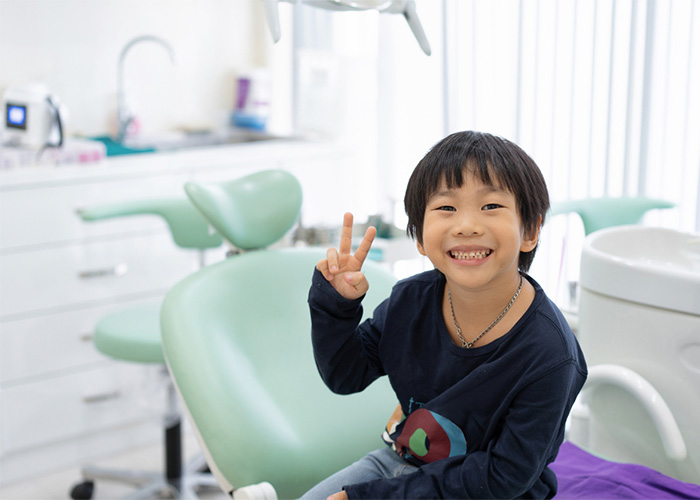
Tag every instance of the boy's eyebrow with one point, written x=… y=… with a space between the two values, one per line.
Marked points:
x=486 y=189
x=492 y=188
x=442 y=192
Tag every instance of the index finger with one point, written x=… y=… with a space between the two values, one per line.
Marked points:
x=346 y=235
x=365 y=244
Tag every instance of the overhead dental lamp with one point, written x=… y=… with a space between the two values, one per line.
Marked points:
x=405 y=7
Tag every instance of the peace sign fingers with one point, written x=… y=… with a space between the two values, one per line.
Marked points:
x=363 y=249
x=365 y=244
x=341 y=267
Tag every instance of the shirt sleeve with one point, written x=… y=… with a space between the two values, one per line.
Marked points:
x=511 y=465
x=346 y=353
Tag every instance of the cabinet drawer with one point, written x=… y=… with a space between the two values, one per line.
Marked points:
x=48 y=214
x=78 y=404
x=48 y=345
x=42 y=280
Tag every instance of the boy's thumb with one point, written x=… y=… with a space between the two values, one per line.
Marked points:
x=353 y=278
x=357 y=279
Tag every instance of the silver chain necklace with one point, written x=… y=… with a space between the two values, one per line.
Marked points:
x=469 y=345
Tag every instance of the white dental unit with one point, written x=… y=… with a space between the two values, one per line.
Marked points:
x=640 y=330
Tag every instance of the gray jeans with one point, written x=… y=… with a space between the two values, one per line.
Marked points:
x=382 y=463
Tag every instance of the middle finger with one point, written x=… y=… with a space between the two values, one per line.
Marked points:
x=346 y=235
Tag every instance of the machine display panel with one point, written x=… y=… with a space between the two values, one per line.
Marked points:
x=16 y=116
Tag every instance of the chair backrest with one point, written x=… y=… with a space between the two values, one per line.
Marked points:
x=187 y=226
x=250 y=212
x=236 y=336
x=600 y=213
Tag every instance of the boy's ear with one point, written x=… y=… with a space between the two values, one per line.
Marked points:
x=530 y=240
x=420 y=248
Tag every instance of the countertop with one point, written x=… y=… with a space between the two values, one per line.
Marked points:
x=119 y=167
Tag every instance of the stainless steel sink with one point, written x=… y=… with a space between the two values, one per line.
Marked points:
x=182 y=140
x=173 y=141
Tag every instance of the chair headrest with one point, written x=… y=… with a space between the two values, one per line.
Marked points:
x=251 y=212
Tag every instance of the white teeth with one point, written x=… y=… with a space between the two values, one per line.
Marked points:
x=480 y=254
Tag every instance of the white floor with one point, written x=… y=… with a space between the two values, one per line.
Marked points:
x=57 y=485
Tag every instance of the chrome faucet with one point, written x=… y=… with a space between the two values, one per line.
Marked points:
x=124 y=114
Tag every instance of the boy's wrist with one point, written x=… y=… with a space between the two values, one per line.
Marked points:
x=321 y=284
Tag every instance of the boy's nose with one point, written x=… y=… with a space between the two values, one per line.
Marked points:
x=468 y=224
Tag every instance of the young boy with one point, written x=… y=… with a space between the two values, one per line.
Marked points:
x=484 y=365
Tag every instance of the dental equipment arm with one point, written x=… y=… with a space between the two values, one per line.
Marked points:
x=648 y=397
x=273 y=19
x=408 y=9
x=405 y=7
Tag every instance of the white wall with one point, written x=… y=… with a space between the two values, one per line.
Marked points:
x=603 y=95
x=411 y=114
x=73 y=46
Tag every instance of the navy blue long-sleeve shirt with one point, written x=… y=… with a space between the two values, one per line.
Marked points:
x=480 y=423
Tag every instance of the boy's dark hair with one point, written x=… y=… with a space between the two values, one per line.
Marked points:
x=491 y=159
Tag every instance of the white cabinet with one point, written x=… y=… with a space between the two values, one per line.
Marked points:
x=58 y=277
x=90 y=273
x=41 y=213
x=55 y=343
x=73 y=404
x=61 y=401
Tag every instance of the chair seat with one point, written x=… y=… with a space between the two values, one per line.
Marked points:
x=132 y=334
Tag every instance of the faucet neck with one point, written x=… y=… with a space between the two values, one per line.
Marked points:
x=124 y=115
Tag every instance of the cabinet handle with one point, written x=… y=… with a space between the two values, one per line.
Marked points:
x=103 y=396
x=118 y=270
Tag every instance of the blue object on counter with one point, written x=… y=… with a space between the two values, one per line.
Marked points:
x=115 y=148
x=246 y=120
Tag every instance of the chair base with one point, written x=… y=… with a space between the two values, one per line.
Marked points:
x=149 y=484
x=175 y=480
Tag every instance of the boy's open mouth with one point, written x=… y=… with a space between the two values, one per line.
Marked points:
x=470 y=255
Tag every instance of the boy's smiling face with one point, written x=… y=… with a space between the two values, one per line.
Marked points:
x=473 y=234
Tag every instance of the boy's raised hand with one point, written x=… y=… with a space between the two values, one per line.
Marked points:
x=342 y=268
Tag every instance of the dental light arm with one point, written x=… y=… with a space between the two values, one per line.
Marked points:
x=405 y=7
x=408 y=9
x=273 y=19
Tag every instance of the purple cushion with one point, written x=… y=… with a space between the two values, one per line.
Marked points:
x=582 y=475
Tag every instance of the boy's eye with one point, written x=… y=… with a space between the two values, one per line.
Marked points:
x=491 y=206
x=447 y=208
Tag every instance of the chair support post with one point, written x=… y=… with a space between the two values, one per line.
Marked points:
x=173 y=451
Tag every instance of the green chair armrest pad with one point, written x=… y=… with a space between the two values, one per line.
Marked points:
x=189 y=229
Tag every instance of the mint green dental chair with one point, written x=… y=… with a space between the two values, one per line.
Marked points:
x=237 y=341
x=133 y=335
x=600 y=213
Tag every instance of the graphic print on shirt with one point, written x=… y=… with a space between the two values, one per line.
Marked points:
x=424 y=435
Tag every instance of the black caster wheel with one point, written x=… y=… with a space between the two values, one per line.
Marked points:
x=83 y=491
